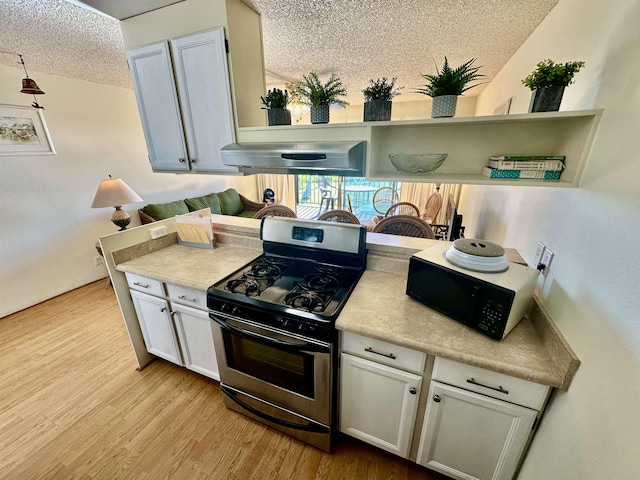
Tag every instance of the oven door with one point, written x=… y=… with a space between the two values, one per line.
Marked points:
x=291 y=371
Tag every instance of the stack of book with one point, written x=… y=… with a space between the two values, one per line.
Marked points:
x=542 y=167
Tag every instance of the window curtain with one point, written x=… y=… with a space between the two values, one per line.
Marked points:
x=282 y=185
x=418 y=193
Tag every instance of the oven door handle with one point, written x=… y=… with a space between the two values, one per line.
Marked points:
x=309 y=427
x=303 y=347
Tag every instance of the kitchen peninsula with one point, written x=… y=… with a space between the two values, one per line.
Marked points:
x=378 y=311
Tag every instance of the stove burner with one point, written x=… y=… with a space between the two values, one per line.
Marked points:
x=259 y=277
x=320 y=282
x=305 y=300
x=267 y=268
x=247 y=286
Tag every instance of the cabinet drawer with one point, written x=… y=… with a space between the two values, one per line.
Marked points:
x=144 y=284
x=384 y=352
x=493 y=384
x=187 y=296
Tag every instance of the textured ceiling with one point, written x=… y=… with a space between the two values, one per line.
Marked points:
x=356 y=39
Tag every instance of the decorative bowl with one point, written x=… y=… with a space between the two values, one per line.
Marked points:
x=417 y=162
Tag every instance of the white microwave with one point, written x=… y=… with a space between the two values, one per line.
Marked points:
x=492 y=303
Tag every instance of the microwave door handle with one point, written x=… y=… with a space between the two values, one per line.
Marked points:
x=309 y=427
x=302 y=347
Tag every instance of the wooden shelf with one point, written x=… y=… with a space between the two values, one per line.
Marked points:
x=469 y=142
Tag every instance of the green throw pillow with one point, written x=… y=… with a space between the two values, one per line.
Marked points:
x=160 y=211
x=207 y=201
x=230 y=202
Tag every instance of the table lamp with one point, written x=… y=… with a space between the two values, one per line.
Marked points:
x=113 y=192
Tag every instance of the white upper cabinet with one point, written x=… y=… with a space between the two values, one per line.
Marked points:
x=153 y=82
x=186 y=117
x=203 y=88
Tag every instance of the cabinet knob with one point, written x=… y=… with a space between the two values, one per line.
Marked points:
x=413 y=390
x=162 y=309
x=436 y=398
x=181 y=160
x=193 y=160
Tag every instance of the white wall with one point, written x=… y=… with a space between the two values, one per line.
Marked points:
x=593 y=430
x=47 y=226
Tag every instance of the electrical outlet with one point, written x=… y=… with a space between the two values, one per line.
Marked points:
x=539 y=252
x=97 y=260
x=158 y=232
x=547 y=256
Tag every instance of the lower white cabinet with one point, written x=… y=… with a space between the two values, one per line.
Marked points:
x=379 y=399
x=175 y=325
x=473 y=429
x=157 y=326
x=378 y=403
x=194 y=332
x=476 y=424
x=470 y=436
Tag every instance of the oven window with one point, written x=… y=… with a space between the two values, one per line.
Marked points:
x=293 y=371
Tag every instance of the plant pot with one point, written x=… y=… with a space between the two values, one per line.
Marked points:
x=377 y=110
x=546 y=99
x=279 y=116
x=444 y=106
x=320 y=114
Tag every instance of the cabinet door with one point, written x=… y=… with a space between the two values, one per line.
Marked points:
x=205 y=96
x=196 y=340
x=157 y=326
x=153 y=82
x=470 y=436
x=378 y=403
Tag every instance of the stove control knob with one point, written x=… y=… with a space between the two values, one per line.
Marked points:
x=302 y=328
x=224 y=308
x=236 y=311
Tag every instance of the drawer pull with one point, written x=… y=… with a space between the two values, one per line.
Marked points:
x=138 y=284
x=192 y=300
x=388 y=355
x=436 y=398
x=499 y=389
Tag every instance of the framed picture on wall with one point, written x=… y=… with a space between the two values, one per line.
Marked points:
x=24 y=132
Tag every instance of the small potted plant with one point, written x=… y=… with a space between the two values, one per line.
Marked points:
x=377 y=99
x=312 y=92
x=547 y=83
x=445 y=86
x=275 y=102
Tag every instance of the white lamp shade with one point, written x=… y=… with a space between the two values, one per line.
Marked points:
x=114 y=192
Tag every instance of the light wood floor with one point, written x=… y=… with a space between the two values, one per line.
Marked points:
x=73 y=406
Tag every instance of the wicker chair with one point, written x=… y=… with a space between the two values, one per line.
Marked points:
x=432 y=208
x=404 y=225
x=403 y=208
x=275 y=211
x=340 y=216
x=383 y=198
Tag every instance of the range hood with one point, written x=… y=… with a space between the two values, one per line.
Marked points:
x=345 y=159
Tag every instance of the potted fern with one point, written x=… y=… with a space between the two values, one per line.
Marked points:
x=312 y=92
x=275 y=102
x=377 y=99
x=445 y=86
x=547 y=82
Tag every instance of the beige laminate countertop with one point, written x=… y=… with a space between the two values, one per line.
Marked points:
x=190 y=267
x=377 y=308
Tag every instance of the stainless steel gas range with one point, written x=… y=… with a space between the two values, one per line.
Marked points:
x=274 y=325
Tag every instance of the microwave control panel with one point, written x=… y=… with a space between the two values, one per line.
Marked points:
x=492 y=319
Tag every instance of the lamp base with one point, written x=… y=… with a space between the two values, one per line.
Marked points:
x=120 y=218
